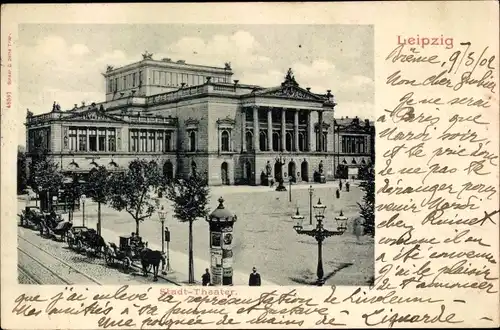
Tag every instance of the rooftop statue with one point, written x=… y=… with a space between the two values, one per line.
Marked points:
x=289 y=78
x=147 y=56
x=29 y=113
x=227 y=66
x=109 y=68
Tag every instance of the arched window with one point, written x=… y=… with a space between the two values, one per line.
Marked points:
x=225 y=141
x=249 y=140
x=263 y=141
x=276 y=141
x=324 y=142
x=289 y=141
x=192 y=141
x=302 y=142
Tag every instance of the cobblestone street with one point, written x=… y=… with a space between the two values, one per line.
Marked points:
x=264 y=236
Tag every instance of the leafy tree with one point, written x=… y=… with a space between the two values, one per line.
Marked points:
x=132 y=190
x=367 y=207
x=22 y=175
x=189 y=198
x=73 y=191
x=97 y=188
x=46 y=175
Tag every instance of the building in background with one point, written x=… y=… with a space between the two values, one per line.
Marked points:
x=191 y=117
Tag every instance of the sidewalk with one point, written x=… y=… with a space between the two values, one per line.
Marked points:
x=178 y=260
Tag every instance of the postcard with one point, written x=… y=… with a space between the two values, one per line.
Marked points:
x=250 y=165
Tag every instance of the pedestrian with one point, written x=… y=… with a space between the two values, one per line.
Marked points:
x=337 y=193
x=347 y=185
x=358 y=227
x=254 y=278
x=340 y=184
x=205 y=278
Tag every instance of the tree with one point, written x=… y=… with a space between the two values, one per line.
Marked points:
x=367 y=208
x=22 y=175
x=97 y=188
x=73 y=191
x=46 y=178
x=189 y=198
x=132 y=190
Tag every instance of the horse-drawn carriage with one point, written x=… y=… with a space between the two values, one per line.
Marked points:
x=53 y=225
x=129 y=250
x=75 y=238
x=31 y=217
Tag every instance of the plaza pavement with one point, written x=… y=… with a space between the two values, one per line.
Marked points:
x=264 y=236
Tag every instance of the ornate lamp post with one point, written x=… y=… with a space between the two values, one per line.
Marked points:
x=221 y=222
x=290 y=188
x=319 y=233
x=161 y=215
x=82 y=200
x=311 y=191
x=38 y=197
x=281 y=161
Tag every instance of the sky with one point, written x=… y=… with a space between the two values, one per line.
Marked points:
x=65 y=62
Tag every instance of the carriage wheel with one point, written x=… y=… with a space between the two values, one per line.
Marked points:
x=108 y=259
x=126 y=263
x=78 y=245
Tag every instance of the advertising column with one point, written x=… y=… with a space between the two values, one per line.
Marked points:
x=221 y=242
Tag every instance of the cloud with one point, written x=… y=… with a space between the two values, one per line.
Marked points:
x=79 y=49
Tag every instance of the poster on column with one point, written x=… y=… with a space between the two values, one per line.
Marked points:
x=400 y=99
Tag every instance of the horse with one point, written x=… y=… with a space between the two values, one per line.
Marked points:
x=61 y=229
x=93 y=242
x=152 y=258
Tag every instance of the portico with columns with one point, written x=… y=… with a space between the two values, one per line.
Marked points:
x=285 y=125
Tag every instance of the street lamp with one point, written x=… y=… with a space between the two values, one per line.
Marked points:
x=290 y=188
x=165 y=235
x=281 y=161
x=311 y=191
x=82 y=200
x=320 y=233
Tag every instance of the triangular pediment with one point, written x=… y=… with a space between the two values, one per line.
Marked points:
x=289 y=91
x=94 y=115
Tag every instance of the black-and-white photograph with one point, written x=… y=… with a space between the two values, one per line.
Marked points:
x=196 y=154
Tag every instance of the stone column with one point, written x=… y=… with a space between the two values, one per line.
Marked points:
x=320 y=131
x=269 y=130
x=256 y=130
x=106 y=139
x=77 y=138
x=283 y=129
x=243 y=130
x=296 y=129
x=310 y=129
x=88 y=135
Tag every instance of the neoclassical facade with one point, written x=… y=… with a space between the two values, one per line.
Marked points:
x=192 y=117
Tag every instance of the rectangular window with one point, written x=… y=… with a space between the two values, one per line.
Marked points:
x=72 y=139
x=82 y=139
x=115 y=87
x=162 y=78
x=102 y=139
x=151 y=143
x=144 y=141
x=124 y=82
x=134 y=79
x=134 y=143
x=168 y=79
x=110 y=85
x=140 y=78
x=159 y=141
x=185 y=78
x=168 y=141
x=179 y=79
x=111 y=139
x=92 y=139
x=190 y=80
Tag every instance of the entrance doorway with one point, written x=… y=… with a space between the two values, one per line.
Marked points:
x=224 y=173
x=248 y=172
x=304 y=170
x=168 y=170
x=292 y=171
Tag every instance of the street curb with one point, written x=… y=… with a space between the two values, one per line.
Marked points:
x=139 y=268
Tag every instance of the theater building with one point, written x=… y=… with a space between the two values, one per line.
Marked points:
x=191 y=117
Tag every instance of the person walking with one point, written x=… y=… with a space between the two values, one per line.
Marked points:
x=340 y=184
x=205 y=278
x=337 y=193
x=347 y=185
x=358 y=227
x=254 y=278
